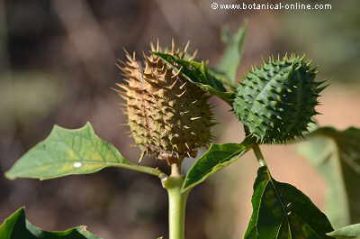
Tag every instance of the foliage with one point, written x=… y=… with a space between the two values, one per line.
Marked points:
x=282 y=211
x=199 y=74
x=352 y=231
x=217 y=157
x=336 y=154
x=231 y=59
x=16 y=226
x=69 y=152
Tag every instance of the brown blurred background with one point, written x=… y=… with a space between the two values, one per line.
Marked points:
x=57 y=66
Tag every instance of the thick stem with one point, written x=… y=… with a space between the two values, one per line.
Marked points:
x=177 y=203
x=177 y=207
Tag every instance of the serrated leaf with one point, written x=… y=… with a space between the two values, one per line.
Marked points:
x=198 y=73
x=336 y=155
x=282 y=211
x=216 y=158
x=231 y=58
x=352 y=231
x=16 y=226
x=71 y=151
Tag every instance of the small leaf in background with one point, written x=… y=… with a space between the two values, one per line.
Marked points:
x=198 y=73
x=352 y=231
x=217 y=157
x=71 y=151
x=336 y=155
x=231 y=58
x=16 y=226
x=282 y=211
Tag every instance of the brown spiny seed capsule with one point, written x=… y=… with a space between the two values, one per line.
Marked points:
x=168 y=116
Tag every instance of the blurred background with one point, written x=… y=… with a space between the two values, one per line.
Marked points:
x=57 y=66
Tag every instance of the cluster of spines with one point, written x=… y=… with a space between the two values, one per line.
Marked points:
x=277 y=102
x=168 y=116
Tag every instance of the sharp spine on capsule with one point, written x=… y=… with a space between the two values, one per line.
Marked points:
x=181 y=94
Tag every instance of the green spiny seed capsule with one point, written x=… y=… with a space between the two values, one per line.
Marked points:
x=168 y=116
x=277 y=102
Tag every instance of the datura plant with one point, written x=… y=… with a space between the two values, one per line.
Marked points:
x=165 y=96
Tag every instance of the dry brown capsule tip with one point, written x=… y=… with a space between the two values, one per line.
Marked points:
x=168 y=117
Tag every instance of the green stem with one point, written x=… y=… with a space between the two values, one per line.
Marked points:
x=177 y=203
x=259 y=155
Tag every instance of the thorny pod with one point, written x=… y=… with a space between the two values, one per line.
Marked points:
x=168 y=116
x=276 y=102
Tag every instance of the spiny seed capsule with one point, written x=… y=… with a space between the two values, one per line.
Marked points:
x=169 y=117
x=277 y=102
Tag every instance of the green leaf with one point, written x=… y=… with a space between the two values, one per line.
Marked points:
x=231 y=59
x=216 y=158
x=282 y=211
x=71 y=151
x=198 y=74
x=352 y=231
x=336 y=155
x=220 y=76
x=16 y=226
